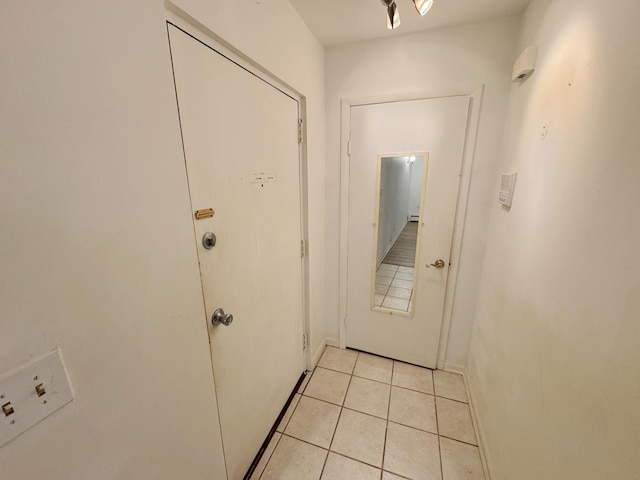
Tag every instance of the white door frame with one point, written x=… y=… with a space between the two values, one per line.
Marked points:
x=185 y=22
x=461 y=209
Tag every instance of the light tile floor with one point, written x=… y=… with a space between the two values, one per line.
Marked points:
x=394 y=287
x=363 y=417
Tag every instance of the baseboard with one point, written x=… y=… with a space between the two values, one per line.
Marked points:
x=482 y=441
x=390 y=246
x=318 y=353
x=454 y=368
x=332 y=342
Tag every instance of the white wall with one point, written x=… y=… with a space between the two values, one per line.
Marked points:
x=395 y=176
x=555 y=354
x=442 y=62
x=415 y=187
x=272 y=35
x=97 y=252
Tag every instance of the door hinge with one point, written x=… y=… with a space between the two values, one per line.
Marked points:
x=300 y=131
x=304 y=341
x=303 y=249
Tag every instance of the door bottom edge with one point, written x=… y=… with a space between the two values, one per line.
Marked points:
x=274 y=428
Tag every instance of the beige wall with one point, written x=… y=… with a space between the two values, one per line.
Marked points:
x=555 y=353
x=97 y=251
x=441 y=62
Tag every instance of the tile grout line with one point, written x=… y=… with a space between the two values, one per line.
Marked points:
x=412 y=427
x=388 y=422
x=394 y=277
x=386 y=427
x=452 y=399
x=389 y=288
x=385 y=298
x=402 y=477
x=284 y=428
x=459 y=441
x=413 y=390
x=408 y=426
x=270 y=456
x=378 y=284
x=355 y=459
x=339 y=416
x=437 y=427
x=304 y=441
x=291 y=416
x=282 y=434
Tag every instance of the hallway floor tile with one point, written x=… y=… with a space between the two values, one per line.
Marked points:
x=363 y=417
x=394 y=287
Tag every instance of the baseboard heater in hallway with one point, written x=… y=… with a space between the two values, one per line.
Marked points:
x=272 y=432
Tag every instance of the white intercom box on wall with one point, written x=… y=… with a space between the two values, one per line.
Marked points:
x=525 y=64
x=507 y=186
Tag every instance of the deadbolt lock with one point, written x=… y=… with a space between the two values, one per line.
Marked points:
x=209 y=240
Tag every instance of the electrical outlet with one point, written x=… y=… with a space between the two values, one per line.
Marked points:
x=31 y=393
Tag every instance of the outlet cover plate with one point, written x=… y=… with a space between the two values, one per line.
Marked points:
x=19 y=389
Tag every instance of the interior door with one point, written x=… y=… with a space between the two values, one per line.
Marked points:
x=240 y=137
x=437 y=126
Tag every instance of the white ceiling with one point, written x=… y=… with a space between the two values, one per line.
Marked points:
x=334 y=22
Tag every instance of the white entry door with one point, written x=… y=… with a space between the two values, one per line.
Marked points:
x=240 y=138
x=436 y=127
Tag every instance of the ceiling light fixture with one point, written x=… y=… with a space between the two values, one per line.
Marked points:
x=393 y=16
x=423 y=6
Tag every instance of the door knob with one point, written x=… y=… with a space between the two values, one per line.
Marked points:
x=219 y=317
x=209 y=240
x=437 y=264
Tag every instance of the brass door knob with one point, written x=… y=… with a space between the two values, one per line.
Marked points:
x=437 y=264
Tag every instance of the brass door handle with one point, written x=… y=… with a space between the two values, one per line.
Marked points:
x=437 y=264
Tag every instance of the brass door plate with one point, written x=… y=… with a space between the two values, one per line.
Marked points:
x=205 y=213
